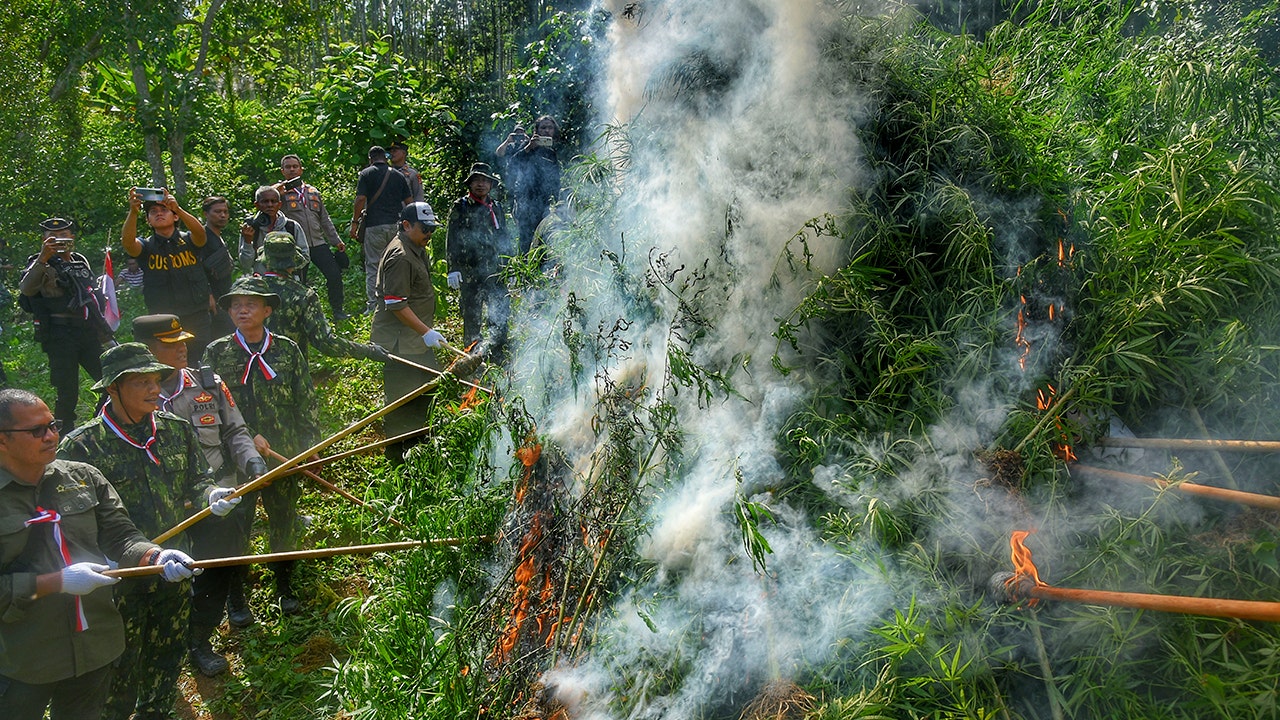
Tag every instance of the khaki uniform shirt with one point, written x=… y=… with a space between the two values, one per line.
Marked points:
x=404 y=280
x=304 y=206
x=39 y=642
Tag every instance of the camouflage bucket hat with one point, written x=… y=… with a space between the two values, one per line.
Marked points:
x=250 y=286
x=132 y=357
x=280 y=252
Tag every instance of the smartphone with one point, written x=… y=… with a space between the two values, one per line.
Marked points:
x=542 y=140
x=151 y=194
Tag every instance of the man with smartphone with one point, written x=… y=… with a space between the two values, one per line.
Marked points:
x=58 y=290
x=303 y=204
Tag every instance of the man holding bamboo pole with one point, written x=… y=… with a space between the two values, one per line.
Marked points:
x=269 y=379
x=401 y=323
x=154 y=461
x=200 y=397
x=59 y=629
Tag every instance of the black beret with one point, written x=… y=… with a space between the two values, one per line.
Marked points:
x=54 y=224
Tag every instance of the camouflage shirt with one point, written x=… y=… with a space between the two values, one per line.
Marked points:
x=161 y=485
x=212 y=412
x=301 y=319
x=281 y=408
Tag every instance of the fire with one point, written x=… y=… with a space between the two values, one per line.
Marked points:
x=1023 y=567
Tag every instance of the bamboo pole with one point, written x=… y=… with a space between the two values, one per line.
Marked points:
x=1268 y=502
x=1257 y=446
x=282 y=470
x=145 y=570
x=1217 y=456
x=335 y=489
x=424 y=368
x=1018 y=588
x=362 y=449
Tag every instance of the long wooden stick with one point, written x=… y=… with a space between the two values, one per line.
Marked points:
x=1021 y=587
x=424 y=368
x=297 y=555
x=335 y=489
x=1268 y=502
x=284 y=467
x=369 y=447
x=453 y=349
x=1258 y=446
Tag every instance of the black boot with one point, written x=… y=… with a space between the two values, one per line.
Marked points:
x=284 y=587
x=208 y=662
x=238 y=612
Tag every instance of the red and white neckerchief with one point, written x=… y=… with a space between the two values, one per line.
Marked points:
x=487 y=203
x=166 y=400
x=120 y=433
x=255 y=357
x=51 y=517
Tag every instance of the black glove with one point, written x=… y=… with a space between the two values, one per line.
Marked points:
x=255 y=467
x=379 y=353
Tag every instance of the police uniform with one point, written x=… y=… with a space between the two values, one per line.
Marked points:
x=272 y=387
x=160 y=472
x=305 y=206
x=200 y=397
x=69 y=329
x=300 y=317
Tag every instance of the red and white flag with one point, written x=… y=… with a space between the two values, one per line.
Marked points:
x=107 y=286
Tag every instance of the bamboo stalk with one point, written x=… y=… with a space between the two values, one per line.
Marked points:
x=453 y=349
x=1017 y=588
x=282 y=470
x=1268 y=502
x=1217 y=456
x=362 y=449
x=1258 y=446
x=146 y=570
x=335 y=489
x=424 y=368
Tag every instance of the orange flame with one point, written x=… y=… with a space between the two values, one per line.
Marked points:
x=1023 y=567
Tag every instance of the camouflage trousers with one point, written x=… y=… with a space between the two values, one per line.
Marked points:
x=155 y=635
x=284 y=524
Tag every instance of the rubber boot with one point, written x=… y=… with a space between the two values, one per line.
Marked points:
x=199 y=649
x=239 y=614
x=284 y=587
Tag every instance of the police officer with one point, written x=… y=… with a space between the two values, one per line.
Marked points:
x=303 y=204
x=407 y=304
x=154 y=461
x=57 y=290
x=271 y=383
x=300 y=317
x=199 y=396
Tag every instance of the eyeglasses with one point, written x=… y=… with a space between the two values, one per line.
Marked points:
x=38 y=431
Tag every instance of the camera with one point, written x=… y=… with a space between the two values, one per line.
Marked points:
x=293 y=184
x=151 y=194
x=61 y=244
x=542 y=141
x=259 y=219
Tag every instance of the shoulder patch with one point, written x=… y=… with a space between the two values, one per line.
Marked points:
x=208 y=420
x=204 y=397
x=227 y=391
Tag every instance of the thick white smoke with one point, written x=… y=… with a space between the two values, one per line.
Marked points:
x=740 y=135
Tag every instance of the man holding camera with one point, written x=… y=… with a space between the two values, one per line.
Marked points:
x=57 y=289
x=174 y=280
x=268 y=219
x=303 y=204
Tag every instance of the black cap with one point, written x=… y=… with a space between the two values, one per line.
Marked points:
x=55 y=224
x=377 y=151
x=398 y=144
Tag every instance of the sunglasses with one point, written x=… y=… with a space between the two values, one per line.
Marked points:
x=38 y=431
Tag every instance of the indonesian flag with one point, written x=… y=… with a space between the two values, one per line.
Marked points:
x=107 y=286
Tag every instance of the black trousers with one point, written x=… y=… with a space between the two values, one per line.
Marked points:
x=76 y=698
x=484 y=303
x=218 y=537
x=323 y=258
x=71 y=347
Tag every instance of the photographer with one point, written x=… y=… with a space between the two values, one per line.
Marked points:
x=268 y=219
x=534 y=168
x=57 y=289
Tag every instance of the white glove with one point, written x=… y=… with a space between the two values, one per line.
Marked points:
x=455 y=280
x=83 y=578
x=433 y=339
x=177 y=565
x=220 y=507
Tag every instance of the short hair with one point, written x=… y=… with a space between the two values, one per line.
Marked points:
x=257 y=194
x=290 y=155
x=15 y=397
x=211 y=201
x=551 y=120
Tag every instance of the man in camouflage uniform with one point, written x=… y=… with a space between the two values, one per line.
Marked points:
x=268 y=377
x=59 y=629
x=199 y=396
x=154 y=461
x=408 y=304
x=300 y=317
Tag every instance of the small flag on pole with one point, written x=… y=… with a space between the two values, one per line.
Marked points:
x=107 y=286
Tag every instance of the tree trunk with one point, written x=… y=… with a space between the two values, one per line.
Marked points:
x=147 y=117
x=178 y=163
